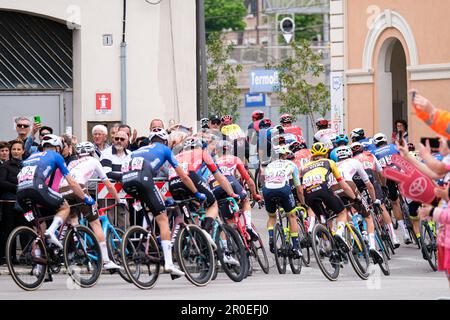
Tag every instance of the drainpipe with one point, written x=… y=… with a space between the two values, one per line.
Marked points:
x=123 y=68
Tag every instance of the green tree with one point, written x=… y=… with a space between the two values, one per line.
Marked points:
x=299 y=96
x=224 y=14
x=223 y=95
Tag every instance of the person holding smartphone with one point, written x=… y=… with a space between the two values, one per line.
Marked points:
x=400 y=131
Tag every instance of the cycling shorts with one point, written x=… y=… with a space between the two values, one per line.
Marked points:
x=39 y=193
x=87 y=211
x=316 y=199
x=180 y=191
x=140 y=185
x=393 y=189
x=413 y=208
x=220 y=194
x=282 y=196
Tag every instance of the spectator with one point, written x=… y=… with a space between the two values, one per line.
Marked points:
x=112 y=132
x=112 y=160
x=131 y=136
x=23 y=129
x=436 y=119
x=8 y=189
x=156 y=123
x=400 y=125
x=69 y=153
x=43 y=131
x=4 y=152
x=100 y=134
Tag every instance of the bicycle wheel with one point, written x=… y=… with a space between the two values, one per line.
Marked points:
x=230 y=247
x=260 y=253
x=195 y=255
x=429 y=244
x=82 y=256
x=114 y=244
x=141 y=257
x=303 y=239
x=296 y=264
x=381 y=248
x=280 y=244
x=359 y=254
x=26 y=258
x=325 y=252
x=381 y=236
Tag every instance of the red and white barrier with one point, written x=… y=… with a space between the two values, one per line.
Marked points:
x=103 y=193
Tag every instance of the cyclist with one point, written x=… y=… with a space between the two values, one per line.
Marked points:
x=358 y=135
x=324 y=134
x=384 y=152
x=352 y=170
x=373 y=169
x=232 y=132
x=253 y=127
x=204 y=122
x=317 y=180
x=339 y=141
x=32 y=184
x=228 y=165
x=81 y=170
x=138 y=182
x=301 y=153
x=193 y=160
x=286 y=123
x=276 y=187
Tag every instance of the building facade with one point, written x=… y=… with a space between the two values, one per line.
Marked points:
x=383 y=48
x=62 y=60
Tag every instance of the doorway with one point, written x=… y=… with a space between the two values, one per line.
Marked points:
x=392 y=89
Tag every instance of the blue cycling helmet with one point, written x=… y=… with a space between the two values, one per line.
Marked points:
x=341 y=140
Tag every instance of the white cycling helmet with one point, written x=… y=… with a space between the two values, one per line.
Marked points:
x=357 y=133
x=379 y=138
x=84 y=148
x=192 y=143
x=344 y=152
x=53 y=140
x=160 y=133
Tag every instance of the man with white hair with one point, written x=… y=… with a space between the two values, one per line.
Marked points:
x=100 y=135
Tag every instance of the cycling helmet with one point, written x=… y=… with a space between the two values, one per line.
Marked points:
x=319 y=149
x=282 y=150
x=204 y=123
x=411 y=147
x=214 y=118
x=344 y=152
x=341 y=140
x=192 y=143
x=357 y=148
x=379 y=138
x=322 y=123
x=85 y=148
x=257 y=115
x=296 y=146
x=226 y=120
x=265 y=123
x=278 y=129
x=53 y=140
x=285 y=118
x=160 y=133
x=357 y=134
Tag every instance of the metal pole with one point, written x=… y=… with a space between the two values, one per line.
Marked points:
x=202 y=85
x=123 y=68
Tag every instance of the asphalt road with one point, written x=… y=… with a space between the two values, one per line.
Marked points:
x=411 y=278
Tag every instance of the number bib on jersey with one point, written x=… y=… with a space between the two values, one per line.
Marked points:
x=137 y=163
x=312 y=180
x=386 y=161
x=26 y=174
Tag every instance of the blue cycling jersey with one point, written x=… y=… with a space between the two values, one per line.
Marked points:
x=41 y=165
x=156 y=154
x=368 y=144
x=385 y=153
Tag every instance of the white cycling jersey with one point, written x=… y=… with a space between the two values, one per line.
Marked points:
x=349 y=167
x=325 y=136
x=278 y=173
x=84 y=169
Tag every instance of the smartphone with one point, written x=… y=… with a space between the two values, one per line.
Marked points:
x=400 y=138
x=37 y=119
x=434 y=142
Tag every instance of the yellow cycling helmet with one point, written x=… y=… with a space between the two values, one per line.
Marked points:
x=319 y=149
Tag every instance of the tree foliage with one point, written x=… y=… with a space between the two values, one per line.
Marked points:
x=224 y=14
x=299 y=96
x=223 y=95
